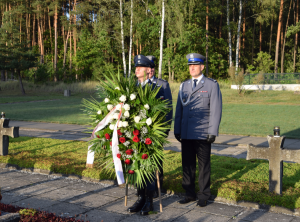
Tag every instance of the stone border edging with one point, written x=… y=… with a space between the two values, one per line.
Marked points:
x=11 y=217
x=247 y=204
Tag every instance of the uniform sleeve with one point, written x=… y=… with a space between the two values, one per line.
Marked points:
x=215 y=110
x=178 y=116
x=168 y=96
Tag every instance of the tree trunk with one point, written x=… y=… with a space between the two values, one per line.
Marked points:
x=70 y=18
x=169 y=62
x=296 y=39
x=284 y=39
x=278 y=36
x=161 y=39
x=122 y=38
x=244 y=31
x=55 y=45
x=229 y=36
x=130 y=44
x=20 y=81
x=2 y=75
x=206 y=50
x=65 y=53
x=33 y=31
x=220 y=27
x=253 y=35
x=238 y=39
x=260 y=37
x=50 y=30
x=271 y=34
x=75 y=35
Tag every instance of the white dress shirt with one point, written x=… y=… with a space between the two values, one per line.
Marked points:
x=199 y=78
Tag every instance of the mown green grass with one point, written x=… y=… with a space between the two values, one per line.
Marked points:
x=254 y=113
x=231 y=178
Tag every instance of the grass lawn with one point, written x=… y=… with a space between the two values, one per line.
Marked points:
x=255 y=113
x=231 y=178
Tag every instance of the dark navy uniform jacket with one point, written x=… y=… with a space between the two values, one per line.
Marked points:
x=202 y=116
x=166 y=94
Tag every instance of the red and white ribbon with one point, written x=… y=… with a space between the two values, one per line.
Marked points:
x=115 y=143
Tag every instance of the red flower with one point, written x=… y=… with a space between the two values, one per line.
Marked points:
x=127 y=161
x=136 y=132
x=110 y=143
x=119 y=155
x=122 y=139
x=107 y=136
x=131 y=171
x=119 y=132
x=136 y=139
x=148 y=141
x=129 y=152
x=98 y=136
x=145 y=156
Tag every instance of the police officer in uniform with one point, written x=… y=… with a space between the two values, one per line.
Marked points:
x=167 y=95
x=144 y=203
x=197 y=119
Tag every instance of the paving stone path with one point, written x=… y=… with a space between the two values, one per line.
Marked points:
x=103 y=202
x=96 y=202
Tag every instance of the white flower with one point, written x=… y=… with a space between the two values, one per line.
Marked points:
x=110 y=118
x=116 y=116
x=112 y=126
x=126 y=107
x=149 y=121
x=127 y=143
x=106 y=100
x=124 y=123
x=137 y=119
x=122 y=98
x=118 y=107
x=109 y=107
x=96 y=121
x=99 y=112
x=120 y=124
x=147 y=107
x=117 y=88
x=126 y=114
x=132 y=97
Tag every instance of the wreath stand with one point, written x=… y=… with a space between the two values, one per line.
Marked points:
x=159 y=191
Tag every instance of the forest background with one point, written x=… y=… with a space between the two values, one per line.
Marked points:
x=71 y=40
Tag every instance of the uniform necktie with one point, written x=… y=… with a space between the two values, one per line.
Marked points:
x=149 y=81
x=195 y=83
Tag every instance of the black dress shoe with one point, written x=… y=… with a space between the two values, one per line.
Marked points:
x=201 y=203
x=186 y=200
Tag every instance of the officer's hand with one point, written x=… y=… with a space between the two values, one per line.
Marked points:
x=178 y=137
x=211 y=138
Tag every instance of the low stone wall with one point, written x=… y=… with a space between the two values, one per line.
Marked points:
x=279 y=87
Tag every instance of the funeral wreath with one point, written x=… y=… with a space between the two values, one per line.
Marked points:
x=129 y=127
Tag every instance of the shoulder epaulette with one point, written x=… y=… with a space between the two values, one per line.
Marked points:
x=162 y=80
x=212 y=79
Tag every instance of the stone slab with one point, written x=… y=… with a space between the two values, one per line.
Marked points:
x=262 y=216
x=87 y=187
x=220 y=209
x=197 y=216
x=116 y=191
x=136 y=218
x=36 y=203
x=34 y=177
x=11 y=174
x=118 y=206
x=59 y=182
x=11 y=198
x=66 y=210
x=92 y=200
x=99 y=215
x=61 y=194
x=9 y=184
x=36 y=189
x=168 y=214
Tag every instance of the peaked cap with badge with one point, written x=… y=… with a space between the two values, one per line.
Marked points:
x=142 y=61
x=151 y=58
x=195 y=59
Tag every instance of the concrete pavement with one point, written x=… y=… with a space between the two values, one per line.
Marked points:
x=96 y=202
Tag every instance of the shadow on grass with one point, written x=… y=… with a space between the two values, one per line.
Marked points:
x=293 y=134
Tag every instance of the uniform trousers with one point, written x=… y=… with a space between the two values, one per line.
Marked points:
x=189 y=151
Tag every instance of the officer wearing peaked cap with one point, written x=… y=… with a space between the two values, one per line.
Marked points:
x=144 y=203
x=168 y=96
x=197 y=119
